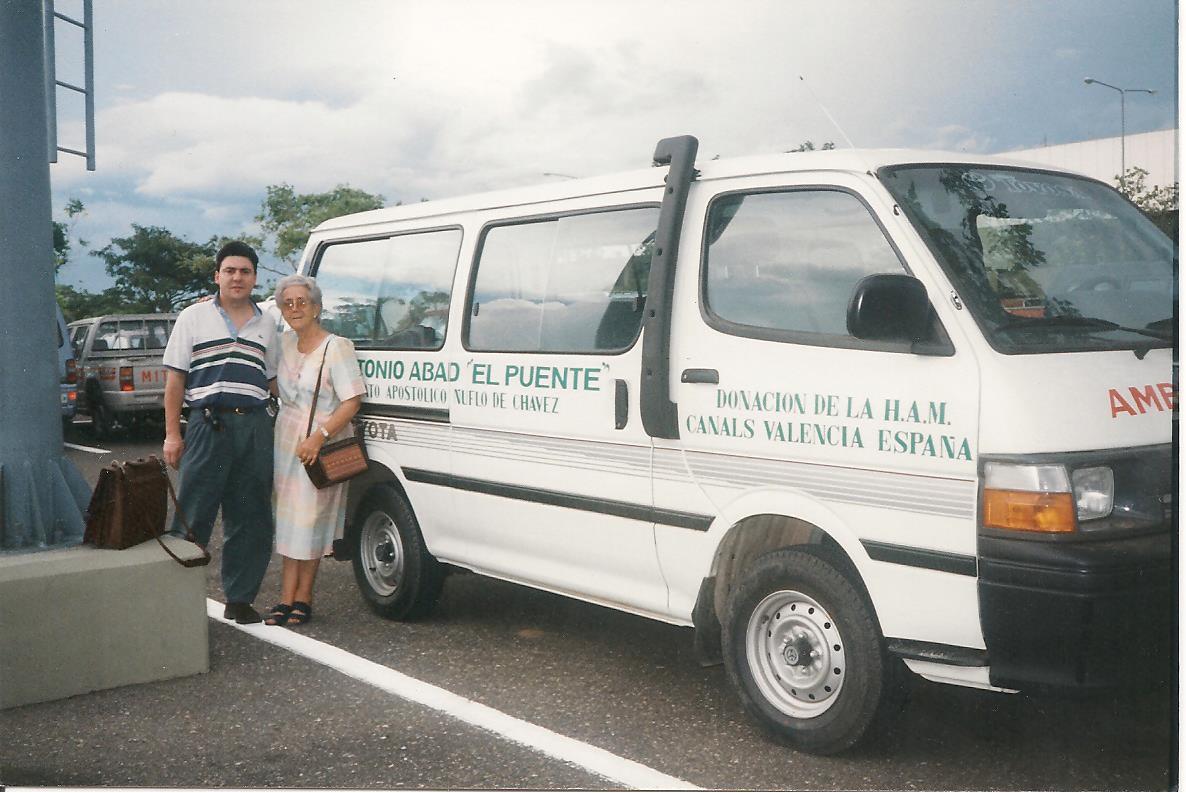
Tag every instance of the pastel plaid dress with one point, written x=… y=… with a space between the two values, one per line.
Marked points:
x=308 y=519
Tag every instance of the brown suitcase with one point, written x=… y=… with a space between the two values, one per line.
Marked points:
x=129 y=506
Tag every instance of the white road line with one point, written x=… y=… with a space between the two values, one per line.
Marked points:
x=598 y=761
x=90 y=449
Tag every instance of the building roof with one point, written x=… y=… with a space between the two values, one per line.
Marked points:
x=1155 y=152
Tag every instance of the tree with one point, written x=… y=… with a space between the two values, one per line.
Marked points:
x=79 y=304
x=203 y=260
x=288 y=217
x=1160 y=203
x=74 y=209
x=809 y=146
x=156 y=271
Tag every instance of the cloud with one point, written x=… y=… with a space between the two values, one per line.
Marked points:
x=956 y=137
x=201 y=106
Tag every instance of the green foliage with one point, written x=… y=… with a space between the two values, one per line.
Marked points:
x=809 y=146
x=156 y=271
x=78 y=304
x=1150 y=199
x=61 y=246
x=287 y=217
x=203 y=259
x=352 y=317
x=74 y=209
x=425 y=304
x=1159 y=202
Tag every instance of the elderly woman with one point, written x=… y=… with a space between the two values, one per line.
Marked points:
x=307 y=519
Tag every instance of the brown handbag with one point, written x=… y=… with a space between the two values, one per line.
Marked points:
x=129 y=507
x=338 y=461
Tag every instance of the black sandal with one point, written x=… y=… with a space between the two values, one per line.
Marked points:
x=278 y=614
x=300 y=613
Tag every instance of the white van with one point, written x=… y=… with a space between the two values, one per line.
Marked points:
x=844 y=413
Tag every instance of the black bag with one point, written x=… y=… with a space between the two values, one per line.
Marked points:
x=338 y=461
x=129 y=507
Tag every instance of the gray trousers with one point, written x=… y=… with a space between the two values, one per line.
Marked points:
x=231 y=469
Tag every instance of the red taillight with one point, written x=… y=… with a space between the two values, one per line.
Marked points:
x=71 y=372
x=126 y=383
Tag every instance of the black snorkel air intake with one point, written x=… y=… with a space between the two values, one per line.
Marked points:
x=659 y=417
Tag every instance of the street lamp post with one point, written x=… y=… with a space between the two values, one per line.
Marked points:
x=1122 y=92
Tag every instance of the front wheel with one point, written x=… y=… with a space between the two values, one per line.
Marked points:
x=398 y=577
x=804 y=653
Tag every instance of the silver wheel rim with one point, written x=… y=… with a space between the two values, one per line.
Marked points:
x=795 y=654
x=382 y=553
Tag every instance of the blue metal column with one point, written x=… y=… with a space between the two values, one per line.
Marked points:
x=42 y=495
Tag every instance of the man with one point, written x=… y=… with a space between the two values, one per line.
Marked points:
x=221 y=361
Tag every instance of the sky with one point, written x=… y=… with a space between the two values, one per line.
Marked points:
x=201 y=104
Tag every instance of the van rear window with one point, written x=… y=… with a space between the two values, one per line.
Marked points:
x=575 y=283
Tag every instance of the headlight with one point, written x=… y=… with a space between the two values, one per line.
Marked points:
x=1095 y=490
x=1044 y=498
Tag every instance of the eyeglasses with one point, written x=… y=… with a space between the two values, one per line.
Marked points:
x=300 y=302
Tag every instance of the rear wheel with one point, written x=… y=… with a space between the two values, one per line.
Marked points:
x=805 y=654
x=398 y=577
x=102 y=420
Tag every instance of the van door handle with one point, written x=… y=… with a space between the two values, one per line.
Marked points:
x=710 y=376
x=621 y=404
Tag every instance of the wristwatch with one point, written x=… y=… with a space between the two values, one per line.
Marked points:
x=324 y=431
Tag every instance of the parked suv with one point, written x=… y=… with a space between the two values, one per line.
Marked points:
x=123 y=380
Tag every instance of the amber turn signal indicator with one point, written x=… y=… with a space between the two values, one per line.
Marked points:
x=1019 y=510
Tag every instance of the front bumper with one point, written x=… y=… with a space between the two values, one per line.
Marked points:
x=1092 y=614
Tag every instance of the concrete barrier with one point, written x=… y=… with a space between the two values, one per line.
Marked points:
x=83 y=619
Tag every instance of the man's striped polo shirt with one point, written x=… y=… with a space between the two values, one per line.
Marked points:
x=223 y=367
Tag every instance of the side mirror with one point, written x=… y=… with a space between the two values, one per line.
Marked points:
x=889 y=307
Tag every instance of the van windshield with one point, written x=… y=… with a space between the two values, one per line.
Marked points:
x=1045 y=262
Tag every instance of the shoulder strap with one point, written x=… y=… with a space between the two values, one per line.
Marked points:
x=317 y=387
x=204 y=559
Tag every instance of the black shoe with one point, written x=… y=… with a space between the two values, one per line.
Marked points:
x=241 y=613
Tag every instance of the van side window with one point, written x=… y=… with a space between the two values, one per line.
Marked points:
x=391 y=292
x=575 y=283
x=790 y=260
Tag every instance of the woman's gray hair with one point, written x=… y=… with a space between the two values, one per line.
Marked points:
x=298 y=280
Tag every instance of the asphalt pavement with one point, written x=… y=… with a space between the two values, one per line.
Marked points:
x=266 y=717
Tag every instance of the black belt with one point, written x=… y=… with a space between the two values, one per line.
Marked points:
x=211 y=414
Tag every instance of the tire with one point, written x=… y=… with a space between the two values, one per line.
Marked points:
x=398 y=577
x=102 y=420
x=805 y=654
